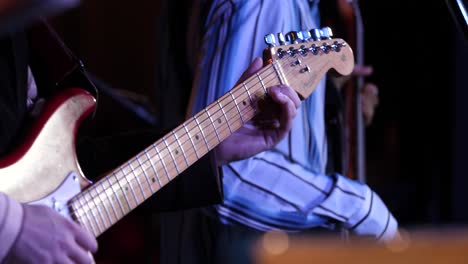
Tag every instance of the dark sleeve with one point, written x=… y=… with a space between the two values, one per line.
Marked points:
x=197 y=186
x=13 y=88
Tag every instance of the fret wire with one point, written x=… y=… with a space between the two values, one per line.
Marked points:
x=203 y=134
x=237 y=106
x=250 y=97
x=86 y=216
x=215 y=130
x=109 y=200
x=191 y=141
x=144 y=172
x=103 y=203
x=212 y=124
x=94 y=217
x=201 y=131
x=279 y=73
x=225 y=117
x=262 y=71
x=154 y=168
x=117 y=197
x=181 y=148
x=248 y=92
x=162 y=163
x=263 y=85
x=197 y=120
x=78 y=217
x=172 y=156
x=131 y=187
x=138 y=180
x=119 y=184
x=99 y=210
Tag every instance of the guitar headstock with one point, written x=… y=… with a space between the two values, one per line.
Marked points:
x=304 y=57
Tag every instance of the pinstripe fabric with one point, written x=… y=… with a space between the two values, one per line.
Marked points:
x=285 y=188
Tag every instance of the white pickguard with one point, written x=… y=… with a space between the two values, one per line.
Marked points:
x=58 y=199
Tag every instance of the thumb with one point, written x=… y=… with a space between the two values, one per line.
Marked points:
x=255 y=66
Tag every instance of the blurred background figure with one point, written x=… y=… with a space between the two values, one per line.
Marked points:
x=287 y=188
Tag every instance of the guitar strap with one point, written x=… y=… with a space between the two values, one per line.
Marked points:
x=53 y=64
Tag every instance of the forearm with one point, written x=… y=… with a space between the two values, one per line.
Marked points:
x=293 y=197
x=274 y=192
x=11 y=221
x=359 y=209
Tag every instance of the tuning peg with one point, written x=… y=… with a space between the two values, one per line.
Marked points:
x=281 y=38
x=270 y=40
x=326 y=33
x=316 y=34
x=292 y=37
x=304 y=35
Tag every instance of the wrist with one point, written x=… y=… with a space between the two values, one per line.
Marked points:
x=11 y=224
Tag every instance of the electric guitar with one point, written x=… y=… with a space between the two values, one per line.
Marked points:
x=45 y=170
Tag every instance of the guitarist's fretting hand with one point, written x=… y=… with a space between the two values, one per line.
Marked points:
x=48 y=237
x=267 y=128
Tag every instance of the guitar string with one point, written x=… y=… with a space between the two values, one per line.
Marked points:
x=103 y=221
x=92 y=200
x=136 y=177
x=144 y=170
x=89 y=202
x=174 y=166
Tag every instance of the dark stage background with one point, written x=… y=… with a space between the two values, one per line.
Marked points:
x=416 y=147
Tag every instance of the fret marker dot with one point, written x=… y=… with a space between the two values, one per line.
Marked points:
x=244 y=103
x=153 y=180
x=219 y=120
x=196 y=137
x=126 y=188
x=176 y=152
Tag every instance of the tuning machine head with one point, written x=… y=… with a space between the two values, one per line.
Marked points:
x=315 y=34
x=292 y=37
x=281 y=38
x=320 y=34
x=270 y=40
x=326 y=33
x=304 y=35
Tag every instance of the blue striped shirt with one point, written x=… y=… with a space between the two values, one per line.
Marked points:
x=285 y=188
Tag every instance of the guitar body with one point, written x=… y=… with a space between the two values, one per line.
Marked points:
x=45 y=169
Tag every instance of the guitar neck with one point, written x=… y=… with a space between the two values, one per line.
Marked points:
x=116 y=194
x=300 y=66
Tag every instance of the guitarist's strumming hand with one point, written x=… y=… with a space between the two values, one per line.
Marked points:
x=267 y=128
x=48 y=237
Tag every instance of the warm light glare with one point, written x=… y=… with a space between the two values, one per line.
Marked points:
x=276 y=242
x=400 y=244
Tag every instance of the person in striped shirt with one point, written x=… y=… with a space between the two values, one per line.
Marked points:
x=285 y=188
